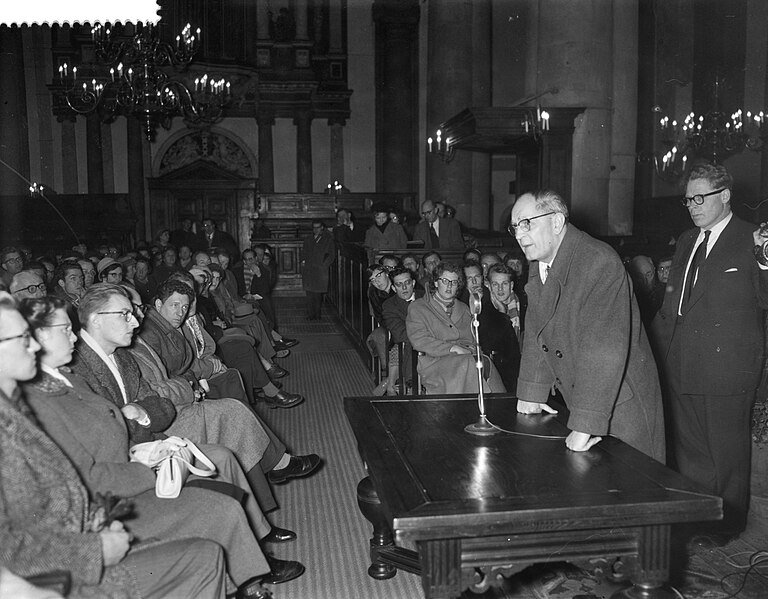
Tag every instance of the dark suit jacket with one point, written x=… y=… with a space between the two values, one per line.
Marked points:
x=583 y=335
x=261 y=285
x=318 y=257
x=221 y=239
x=721 y=328
x=394 y=312
x=450 y=234
x=498 y=339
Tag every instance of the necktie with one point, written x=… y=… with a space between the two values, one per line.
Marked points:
x=546 y=274
x=433 y=236
x=698 y=260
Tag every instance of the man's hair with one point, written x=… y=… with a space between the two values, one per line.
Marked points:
x=444 y=267
x=171 y=286
x=409 y=255
x=210 y=220
x=182 y=276
x=318 y=222
x=399 y=270
x=472 y=264
x=389 y=257
x=199 y=253
x=468 y=255
x=490 y=255
x=550 y=201
x=62 y=269
x=9 y=250
x=427 y=255
x=500 y=269
x=95 y=298
x=248 y=251
x=715 y=174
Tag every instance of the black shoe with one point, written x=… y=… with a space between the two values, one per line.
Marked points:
x=279 y=535
x=252 y=589
x=300 y=465
x=282 y=571
x=282 y=353
x=287 y=342
x=282 y=399
x=275 y=372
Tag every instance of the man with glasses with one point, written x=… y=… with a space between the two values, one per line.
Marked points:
x=27 y=284
x=436 y=232
x=11 y=262
x=395 y=310
x=711 y=332
x=440 y=328
x=583 y=334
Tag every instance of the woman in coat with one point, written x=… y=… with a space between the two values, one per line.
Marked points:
x=47 y=521
x=91 y=431
x=384 y=234
x=440 y=328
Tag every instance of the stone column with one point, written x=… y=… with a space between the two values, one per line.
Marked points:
x=94 y=155
x=266 y=157
x=301 y=19
x=303 y=122
x=14 y=142
x=337 y=149
x=135 y=146
x=397 y=91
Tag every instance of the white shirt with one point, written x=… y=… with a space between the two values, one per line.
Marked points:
x=109 y=360
x=543 y=271
x=55 y=374
x=436 y=225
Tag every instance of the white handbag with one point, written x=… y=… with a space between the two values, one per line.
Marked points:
x=172 y=459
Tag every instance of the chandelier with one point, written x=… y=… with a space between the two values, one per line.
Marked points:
x=132 y=77
x=714 y=136
x=531 y=125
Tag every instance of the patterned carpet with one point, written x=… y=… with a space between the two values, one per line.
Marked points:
x=333 y=535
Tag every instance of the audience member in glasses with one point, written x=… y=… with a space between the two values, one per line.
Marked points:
x=27 y=284
x=583 y=333
x=394 y=312
x=11 y=262
x=440 y=328
x=711 y=335
x=436 y=232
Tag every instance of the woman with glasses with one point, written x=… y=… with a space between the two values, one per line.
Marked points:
x=91 y=431
x=440 y=328
x=48 y=520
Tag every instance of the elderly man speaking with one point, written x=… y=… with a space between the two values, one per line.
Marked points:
x=583 y=334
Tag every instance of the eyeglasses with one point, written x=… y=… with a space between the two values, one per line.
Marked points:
x=377 y=275
x=448 y=282
x=525 y=224
x=698 y=199
x=126 y=314
x=403 y=284
x=14 y=259
x=25 y=337
x=427 y=212
x=32 y=288
x=66 y=327
x=142 y=307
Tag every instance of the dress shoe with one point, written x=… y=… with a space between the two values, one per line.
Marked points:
x=279 y=535
x=282 y=571
x=275 y=372
x=299 y=465
x=282 y=353
x=282 y=399
x=288 y=342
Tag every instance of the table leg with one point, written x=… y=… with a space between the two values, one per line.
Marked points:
x=652 y=569
x=370 y=506
x=441 y=576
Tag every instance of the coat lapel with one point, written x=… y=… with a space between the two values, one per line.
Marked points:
x=99 y=377
x=715 y=263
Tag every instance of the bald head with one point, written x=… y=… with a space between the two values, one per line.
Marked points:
x=27 y=284
x=642 y=271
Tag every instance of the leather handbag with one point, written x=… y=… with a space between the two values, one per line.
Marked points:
x=172 y=459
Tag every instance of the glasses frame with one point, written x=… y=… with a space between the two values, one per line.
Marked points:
x=65 y=325
x=448 y=282
x=527 y=226
x=26 y=336
x=698 y=199
x=126 y=314
x=31 y=288
x=403 y=284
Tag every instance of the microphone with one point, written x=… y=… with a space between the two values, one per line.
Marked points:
x=475 y=304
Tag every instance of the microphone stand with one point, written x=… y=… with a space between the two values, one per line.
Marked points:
x=482 y=427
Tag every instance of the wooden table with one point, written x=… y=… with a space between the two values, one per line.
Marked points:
x=479 y=506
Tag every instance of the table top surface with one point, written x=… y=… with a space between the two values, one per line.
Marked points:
x=432 y=476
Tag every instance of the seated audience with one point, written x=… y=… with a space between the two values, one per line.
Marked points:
x=379 y=289
x=441 y=329
x=428 y=263
x=394 y=312
x=48 y=519
x=89 y=272
x=68 y=281
x=27 y=284
x=109 y=270
x=383 y=234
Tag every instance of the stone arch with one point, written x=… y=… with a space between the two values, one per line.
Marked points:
x=215 y=144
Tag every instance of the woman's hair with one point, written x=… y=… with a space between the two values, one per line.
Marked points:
x=38 y=312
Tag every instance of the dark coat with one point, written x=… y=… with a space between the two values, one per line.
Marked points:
x=392 y=238
x=450 y=234
x=394 y=312
x=583 y=335
x=221 y=239
x=317 y=257
x=170 y=344
x=721 y=328
x=499 y=340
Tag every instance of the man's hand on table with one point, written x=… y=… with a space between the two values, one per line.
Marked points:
x=577 y=441
x=532 y=407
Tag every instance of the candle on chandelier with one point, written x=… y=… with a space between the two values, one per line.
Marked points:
x=429 y=143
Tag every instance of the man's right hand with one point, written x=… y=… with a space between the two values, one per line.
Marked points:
x=530 y=407
x=115 y=543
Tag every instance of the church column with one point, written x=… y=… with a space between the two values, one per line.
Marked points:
x=337 y=149
x=266 y=158
x=14 y=144
x=135 y=146
x=93 y=154
x=303 y=122
x=397 y=91
x=301 y=19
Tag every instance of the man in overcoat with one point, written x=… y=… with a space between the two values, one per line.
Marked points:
x=711 y=339
x=436 y=232
x=318 y=254
x=583 y=333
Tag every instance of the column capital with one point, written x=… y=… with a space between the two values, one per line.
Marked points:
x=265 y=120
x=302 y=117
x=337 y=121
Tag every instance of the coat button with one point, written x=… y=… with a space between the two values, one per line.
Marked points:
x=544 y=348
x=559 y=354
